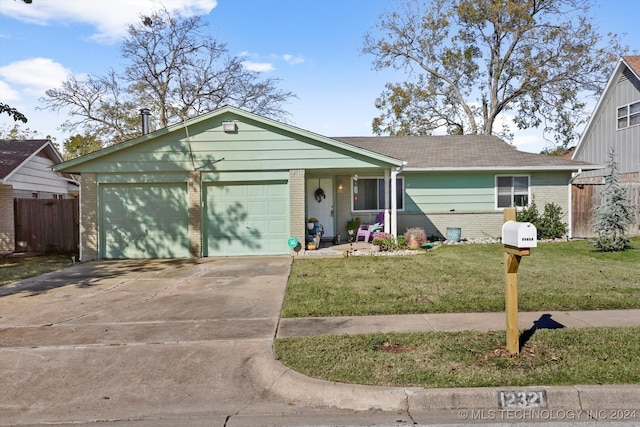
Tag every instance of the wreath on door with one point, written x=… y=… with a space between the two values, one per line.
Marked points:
x=319 y=194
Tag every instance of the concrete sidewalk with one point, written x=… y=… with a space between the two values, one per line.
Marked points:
x=308 y=326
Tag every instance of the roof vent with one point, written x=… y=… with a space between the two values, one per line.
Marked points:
x=145 y=113
x=229 y=127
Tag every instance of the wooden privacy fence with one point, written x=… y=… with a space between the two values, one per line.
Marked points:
x=46 y=225
x=584 y=199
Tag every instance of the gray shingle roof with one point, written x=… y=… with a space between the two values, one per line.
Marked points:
x=458 y=152
x=13 y=152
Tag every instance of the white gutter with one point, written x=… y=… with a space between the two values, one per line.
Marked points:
x=503 y=168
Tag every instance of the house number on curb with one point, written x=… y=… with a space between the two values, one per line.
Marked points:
x=522 y=399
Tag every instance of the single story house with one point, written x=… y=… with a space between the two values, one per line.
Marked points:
x=233 y=183
x=25 y=173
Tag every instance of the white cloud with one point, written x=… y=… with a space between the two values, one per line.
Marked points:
x=260 y=67
x=292 y=60
x=110 y=18
x=34 y=75
x=8 y=94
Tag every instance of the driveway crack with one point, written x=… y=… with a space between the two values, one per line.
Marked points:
x=70 y=319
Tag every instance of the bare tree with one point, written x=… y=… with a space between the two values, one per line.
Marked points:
x=176 y=69
x=471 y=60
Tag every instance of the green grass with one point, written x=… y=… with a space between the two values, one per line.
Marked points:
x=468 y=359
x=464 y=278
x=13 y=269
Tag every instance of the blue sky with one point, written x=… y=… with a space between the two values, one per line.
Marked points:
x=314 y=47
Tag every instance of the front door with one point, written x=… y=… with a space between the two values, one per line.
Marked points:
x=320 y=203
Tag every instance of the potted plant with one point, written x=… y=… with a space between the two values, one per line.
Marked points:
x=415 y=237
x=352 y=228
x=311 y=223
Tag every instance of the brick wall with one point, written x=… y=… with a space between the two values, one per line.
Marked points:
x=474 y=225
x=88 y=217
x=195 y=214
x=7 y=231
x=296 y=207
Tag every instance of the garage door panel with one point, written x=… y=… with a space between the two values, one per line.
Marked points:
x=246 y=218
x=144 y=221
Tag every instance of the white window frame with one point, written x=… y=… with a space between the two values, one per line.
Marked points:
x=377 y=178
x=626 y=115
x=513 y=194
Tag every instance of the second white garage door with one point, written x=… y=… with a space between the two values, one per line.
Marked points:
x=246 y=218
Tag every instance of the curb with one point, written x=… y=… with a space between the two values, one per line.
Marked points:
x=297 y=388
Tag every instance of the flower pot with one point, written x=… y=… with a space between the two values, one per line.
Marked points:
x=413 y=243
x=454 y=234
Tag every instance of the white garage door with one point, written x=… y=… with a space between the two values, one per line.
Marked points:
x=246 y=218
x=144 y=221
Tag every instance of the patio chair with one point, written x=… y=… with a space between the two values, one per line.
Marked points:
x=366 y=230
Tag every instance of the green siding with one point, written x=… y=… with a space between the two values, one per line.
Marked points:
x=475 y=191
x=440 y=191
x=246 y=218
x=255 y=146
x=143 y=221
x=133 y=178
x=245 y=176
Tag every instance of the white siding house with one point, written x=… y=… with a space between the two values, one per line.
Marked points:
x=25 y=173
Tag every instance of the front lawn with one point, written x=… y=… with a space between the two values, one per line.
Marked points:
x=14 y=268
x=464 y=278
x=468 y=359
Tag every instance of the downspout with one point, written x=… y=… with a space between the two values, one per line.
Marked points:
x=570 y=198
x=80 y=258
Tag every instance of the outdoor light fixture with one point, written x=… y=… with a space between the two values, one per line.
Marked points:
x=355 y=184
x=229 y=127
x=340 y=187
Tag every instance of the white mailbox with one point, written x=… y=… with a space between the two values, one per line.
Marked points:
x=519 y=234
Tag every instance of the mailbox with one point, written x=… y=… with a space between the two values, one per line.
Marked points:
x=519 y=234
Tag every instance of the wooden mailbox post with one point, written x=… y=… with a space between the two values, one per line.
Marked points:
x=517 y=241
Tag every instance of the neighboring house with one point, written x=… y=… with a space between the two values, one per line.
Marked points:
x=25 y=173
x=615 y=122
x=234 y=183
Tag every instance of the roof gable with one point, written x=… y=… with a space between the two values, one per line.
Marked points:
x=627 y=66
x=14 y=153
x=207 y=121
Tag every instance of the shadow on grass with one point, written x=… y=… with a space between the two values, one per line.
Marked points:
x=544 y=322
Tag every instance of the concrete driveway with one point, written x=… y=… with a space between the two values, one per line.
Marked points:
x=135 y=339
